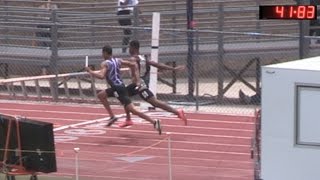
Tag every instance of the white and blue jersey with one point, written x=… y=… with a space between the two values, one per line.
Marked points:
x=113 y=76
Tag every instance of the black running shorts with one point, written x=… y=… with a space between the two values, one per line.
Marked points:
x=145 y=93
x=120 y=92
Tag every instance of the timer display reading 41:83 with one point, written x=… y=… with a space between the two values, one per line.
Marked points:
x=302 y=12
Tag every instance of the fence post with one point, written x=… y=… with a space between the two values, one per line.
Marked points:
x=6 y=30
x=190 y=37
x=303 y=31
x=76 y=150
x=92 y=22
x=197 y=69
x=220 y=52
x=256 y=148
x=169 y=155
x=174 y=78
x=135 y=22
x=174 y=20
x=54 y=54
x=258 y=74
x=258 y=24
x=303 y=42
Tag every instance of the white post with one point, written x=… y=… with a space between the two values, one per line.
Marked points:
x=169 y=155
x=154 y=51
x=87 y=61
x=76 y=150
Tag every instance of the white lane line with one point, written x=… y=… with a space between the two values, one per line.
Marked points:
x=46 y=111
x=87 y=122
x=214 y=119
x=55 y=119
x=79 y=124
x=176 y=133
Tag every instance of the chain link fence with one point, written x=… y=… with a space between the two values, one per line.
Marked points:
x=43 y=47
x=222 y=53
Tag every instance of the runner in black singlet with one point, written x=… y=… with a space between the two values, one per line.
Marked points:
x=143 y=66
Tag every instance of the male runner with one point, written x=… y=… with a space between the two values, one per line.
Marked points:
x=143 y=68
x=110 y=70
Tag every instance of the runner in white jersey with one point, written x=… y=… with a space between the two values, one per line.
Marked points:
x=110 y=70
x=143 y=66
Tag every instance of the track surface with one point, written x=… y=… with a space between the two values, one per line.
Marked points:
x=211 y=147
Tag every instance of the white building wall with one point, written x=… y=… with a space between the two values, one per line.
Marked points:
x=281 y=157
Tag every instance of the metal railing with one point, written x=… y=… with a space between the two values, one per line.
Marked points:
x=225 y=32
x=171 y=18
x=35 y=87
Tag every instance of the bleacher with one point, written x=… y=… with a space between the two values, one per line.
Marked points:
x=81 y=28
x=230 y=42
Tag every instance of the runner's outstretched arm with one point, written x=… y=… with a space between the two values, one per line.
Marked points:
x=163 y=66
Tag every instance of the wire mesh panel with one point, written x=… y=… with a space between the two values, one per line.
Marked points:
x=222 y=53
x=217 y=57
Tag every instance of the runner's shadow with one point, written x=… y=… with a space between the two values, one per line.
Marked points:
x=122 y=140
x=136 y=137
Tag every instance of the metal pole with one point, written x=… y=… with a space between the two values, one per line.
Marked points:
x=303 y=31
x=76 y=150
x=258 y=24
x=174 y=78
x=6 y=30
x=303 y=42
x=258 y=74
x=220 y=52
x=190 y=67
x=93 y=30
x=197 y=70
x=54 y=43
x=169 y=155
x=135 y=22
x=197 y=87
x=174 y=19
x=54 y=55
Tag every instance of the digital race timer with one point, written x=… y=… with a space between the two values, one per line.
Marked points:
x=302 y=12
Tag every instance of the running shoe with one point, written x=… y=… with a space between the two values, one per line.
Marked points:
x=112 y=120
x=182 y=116
x=126 y=123
x=157 y=126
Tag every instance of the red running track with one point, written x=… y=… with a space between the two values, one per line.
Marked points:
x=211 y=147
